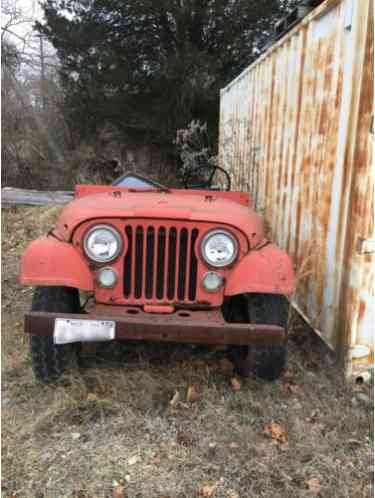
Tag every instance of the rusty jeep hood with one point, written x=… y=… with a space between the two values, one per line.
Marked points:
x=160 y=205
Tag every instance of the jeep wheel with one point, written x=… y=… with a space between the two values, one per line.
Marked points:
x=267 y=363
x=49 y=361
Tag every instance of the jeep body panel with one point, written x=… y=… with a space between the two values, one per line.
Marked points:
x=266 y=270
x=197 y=206
x=116 y=295
x=59 y=258
x=48 y=261
x=240 y=197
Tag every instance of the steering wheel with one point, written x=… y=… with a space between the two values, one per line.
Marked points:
x=207 y=173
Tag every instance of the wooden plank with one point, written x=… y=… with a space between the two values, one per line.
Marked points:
x=18 y=196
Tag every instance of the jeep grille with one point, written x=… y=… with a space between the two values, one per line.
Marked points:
x=160 y=263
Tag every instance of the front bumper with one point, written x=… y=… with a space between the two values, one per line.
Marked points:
x=201 y=327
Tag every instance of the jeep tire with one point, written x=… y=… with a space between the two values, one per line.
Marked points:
x=48 y=360
x=267 y=363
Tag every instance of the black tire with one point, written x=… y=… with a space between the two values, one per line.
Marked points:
x=48 y=360
x=267 y=363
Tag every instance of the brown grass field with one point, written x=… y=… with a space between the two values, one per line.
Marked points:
x=111 y=424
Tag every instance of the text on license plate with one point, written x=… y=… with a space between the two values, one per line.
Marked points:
x=69 y=330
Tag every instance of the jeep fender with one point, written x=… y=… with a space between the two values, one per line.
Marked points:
x=47 y=261
x=267 y=270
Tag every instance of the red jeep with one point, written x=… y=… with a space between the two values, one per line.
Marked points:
x=162 y=264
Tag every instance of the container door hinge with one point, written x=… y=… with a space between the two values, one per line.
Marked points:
x=348 y=19
x=365 y=246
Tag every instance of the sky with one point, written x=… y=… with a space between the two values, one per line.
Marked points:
x=20 y=31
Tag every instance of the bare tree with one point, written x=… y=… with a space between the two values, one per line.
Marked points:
x=32 y=131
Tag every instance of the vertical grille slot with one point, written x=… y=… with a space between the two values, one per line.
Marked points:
x=128 y=262
x=182 y=264
x=171 y=262
x=193 y=266
x=150 y=254
x=160 y=263
x=138 y=262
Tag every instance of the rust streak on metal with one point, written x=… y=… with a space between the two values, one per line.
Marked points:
x=308 y=102
x=206 y=327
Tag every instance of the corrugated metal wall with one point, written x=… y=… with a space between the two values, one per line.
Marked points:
x=295 y=131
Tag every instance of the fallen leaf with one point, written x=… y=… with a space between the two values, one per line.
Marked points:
x=291 y=387
x=289 y=375
x=133 y=460
x=77 y=493
x=184 y=439
x=118 y=492
x=313 y=417
x=235 y=383
x=208 y=491
x=312 y=364
x=192 y=394
x=353 y=442
x=276 y=432
x=176 y=397
x=313 y=485
x=92 y=397
x=232 y=494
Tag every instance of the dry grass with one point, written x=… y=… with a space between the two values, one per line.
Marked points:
x=62 y=442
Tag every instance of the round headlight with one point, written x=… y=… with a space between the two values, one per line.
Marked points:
x=219 y=248
x=102 y=243
x=107 y=277
x=212 y=281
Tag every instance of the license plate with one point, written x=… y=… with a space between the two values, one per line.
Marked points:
x=68 y=330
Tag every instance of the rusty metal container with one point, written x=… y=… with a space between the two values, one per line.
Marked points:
x=296 y=130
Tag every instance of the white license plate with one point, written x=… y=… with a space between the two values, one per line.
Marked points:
x=69 y=330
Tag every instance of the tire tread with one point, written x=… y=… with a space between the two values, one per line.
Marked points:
x=49 y=361
x=267 y=363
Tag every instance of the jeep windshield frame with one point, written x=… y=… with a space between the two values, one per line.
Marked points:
x=136 y=182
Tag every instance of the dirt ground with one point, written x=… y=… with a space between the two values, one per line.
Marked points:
x=111 y=424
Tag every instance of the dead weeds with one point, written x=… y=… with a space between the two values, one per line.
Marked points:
x=127 y=422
